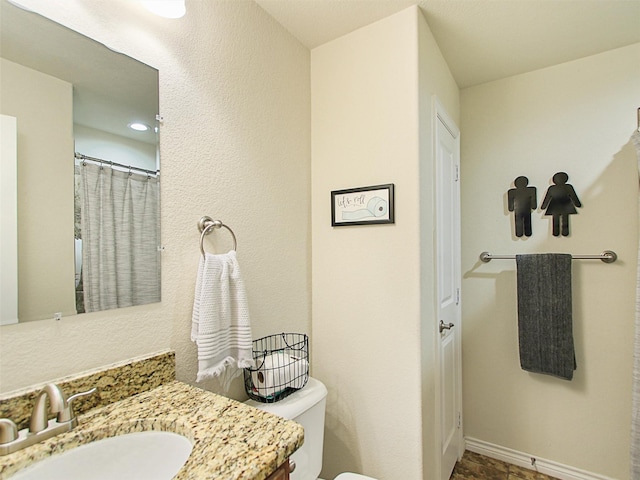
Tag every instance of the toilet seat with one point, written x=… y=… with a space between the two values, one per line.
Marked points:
x=352 y=476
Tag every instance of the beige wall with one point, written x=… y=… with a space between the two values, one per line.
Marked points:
x=44 y=109
x=368 y=94
x=234 y=94
x=575 y=117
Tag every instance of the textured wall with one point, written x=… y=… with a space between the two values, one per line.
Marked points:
x=365 y=279
x=368 y=302
x=575 y=117
x=235 y=145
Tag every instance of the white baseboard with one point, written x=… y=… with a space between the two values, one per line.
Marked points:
x=521 y=459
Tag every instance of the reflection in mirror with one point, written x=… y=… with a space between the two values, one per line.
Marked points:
x=79 y=165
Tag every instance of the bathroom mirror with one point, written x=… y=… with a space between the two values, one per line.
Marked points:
x=70 y=108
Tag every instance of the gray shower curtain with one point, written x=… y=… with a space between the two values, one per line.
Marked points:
x=120 y=238
x=635 y=424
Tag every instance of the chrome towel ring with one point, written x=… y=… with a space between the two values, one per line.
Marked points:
x=206 y=225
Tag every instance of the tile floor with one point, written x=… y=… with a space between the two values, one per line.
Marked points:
x=478 y=467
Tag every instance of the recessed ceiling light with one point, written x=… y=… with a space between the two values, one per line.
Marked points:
x=139 y=127
x=166 y=8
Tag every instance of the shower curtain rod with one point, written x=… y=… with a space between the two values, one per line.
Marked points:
x=608 y=256
x=82 y=157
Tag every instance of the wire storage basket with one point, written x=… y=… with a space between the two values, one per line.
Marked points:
x=281 y=367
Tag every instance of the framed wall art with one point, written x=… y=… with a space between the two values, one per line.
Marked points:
x=362 y=206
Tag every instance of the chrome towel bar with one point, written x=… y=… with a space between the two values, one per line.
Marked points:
x=608 y=256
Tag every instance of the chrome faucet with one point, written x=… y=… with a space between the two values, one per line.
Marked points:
x=57 y=402
x=40 y=427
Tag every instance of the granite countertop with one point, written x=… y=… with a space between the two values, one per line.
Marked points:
x=231 y=440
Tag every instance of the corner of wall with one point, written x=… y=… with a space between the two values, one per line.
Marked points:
x=435 y=83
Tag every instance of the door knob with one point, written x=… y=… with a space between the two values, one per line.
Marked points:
x=445 y=326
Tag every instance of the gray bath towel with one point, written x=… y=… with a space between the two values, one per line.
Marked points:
x=545 y=327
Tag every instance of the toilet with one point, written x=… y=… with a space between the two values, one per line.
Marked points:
x=306 y=406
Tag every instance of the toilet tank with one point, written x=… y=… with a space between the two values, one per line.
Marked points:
x=306 y=407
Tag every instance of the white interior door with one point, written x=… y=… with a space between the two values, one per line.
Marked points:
x=448 y=271
x=8 y=221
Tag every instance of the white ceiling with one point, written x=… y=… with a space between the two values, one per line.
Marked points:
x=482 y=40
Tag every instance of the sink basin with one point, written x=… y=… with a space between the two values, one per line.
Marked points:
x=141 y=455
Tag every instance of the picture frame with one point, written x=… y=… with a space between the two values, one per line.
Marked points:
x=363 y=206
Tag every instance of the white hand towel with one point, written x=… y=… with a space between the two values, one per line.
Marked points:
x=220 y=323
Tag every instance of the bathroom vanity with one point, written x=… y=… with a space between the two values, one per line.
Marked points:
x=281 y=474
x=230 y=440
